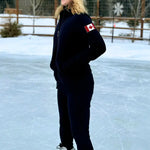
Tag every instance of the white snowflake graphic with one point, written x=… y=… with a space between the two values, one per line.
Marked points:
x=118 y=9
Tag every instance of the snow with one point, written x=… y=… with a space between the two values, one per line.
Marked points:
x=125 y=32
x=120 y=107
x=51 y=22
x=29 y=21
x=36 y=45
x=125 y=49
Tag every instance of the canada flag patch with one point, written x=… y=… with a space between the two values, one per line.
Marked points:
x=89 y=27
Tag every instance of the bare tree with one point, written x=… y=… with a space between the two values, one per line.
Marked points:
x=7 y=5
x=135 y=11
x=35 y=5
x=147 y=7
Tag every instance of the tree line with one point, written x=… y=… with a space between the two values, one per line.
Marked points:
x=131 y=8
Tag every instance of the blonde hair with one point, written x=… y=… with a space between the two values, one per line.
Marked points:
x=76 y=7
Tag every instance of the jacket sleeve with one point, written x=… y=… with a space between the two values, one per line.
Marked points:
x=96 y=46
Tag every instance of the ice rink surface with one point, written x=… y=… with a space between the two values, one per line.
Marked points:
x=120 y=106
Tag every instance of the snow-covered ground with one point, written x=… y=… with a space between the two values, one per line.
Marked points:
x=51 y=22
x=125 y=32
x=120 y=106
x=36 y=45
x=29 y=21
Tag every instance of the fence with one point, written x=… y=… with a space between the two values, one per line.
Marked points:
x=113 y=18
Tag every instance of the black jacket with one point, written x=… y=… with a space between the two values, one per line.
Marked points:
x=74 y=47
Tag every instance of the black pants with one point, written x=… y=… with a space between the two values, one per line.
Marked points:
x=74 y=111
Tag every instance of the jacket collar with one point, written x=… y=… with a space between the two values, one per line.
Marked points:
x=65 y=13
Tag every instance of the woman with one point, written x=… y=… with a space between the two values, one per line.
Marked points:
x=76 y=43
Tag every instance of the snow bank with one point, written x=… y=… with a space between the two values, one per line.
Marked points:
x=125 y=49
x=36 y=45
